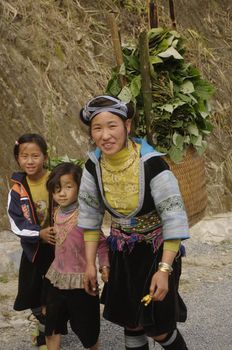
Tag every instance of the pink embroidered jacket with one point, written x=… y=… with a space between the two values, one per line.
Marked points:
x=68 y=267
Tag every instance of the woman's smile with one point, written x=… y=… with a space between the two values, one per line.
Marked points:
x=107 y=145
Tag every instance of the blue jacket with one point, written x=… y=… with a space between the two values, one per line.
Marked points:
x=22 y=215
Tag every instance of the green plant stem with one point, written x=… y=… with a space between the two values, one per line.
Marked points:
x=145 y=81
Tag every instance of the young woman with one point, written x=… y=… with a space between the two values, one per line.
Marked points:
x=28 y=210
x=65 y=297
x=130 y=180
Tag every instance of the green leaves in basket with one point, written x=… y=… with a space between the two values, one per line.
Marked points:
x=171 y=51
x=125 y=94
x=180 y=114
x=54 y=161
x=135 y=86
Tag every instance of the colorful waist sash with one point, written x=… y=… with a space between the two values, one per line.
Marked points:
x=125 y=232
x=119 y=241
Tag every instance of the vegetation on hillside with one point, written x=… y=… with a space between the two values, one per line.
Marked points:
x=55 y=54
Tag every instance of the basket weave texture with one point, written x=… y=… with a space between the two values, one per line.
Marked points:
x=190 y=174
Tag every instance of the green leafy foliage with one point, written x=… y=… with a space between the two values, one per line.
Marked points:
x=54 y=161
x=180 y=114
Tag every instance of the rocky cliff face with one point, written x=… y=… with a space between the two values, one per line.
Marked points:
x=56 y=54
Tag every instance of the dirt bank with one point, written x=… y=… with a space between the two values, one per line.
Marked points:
x=56 y=54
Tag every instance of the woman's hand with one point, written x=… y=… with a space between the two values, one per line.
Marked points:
x=159 y=282
x=48 y=235
x=159 y=285
x=90 y=280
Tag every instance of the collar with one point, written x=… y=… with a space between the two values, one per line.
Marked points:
x=146 y=150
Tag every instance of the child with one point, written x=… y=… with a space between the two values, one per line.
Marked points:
x=28 y=211
x=66 y=299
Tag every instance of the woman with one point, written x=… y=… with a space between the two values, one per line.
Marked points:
x=130 y=180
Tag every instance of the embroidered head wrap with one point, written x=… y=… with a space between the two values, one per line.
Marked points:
x=101 y=104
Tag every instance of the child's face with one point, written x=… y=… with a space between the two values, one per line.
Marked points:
x=31 y=160
x=66 y=193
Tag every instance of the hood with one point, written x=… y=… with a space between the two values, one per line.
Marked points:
x=18 y=176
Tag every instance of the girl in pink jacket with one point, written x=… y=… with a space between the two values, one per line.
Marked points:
x=64 y=294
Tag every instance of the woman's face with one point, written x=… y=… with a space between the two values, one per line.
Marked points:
x=109 y=132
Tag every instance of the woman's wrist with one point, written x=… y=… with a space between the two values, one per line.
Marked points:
x=165 y=267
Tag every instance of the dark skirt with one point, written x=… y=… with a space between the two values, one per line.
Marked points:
x=31 y=275
x=129 y=280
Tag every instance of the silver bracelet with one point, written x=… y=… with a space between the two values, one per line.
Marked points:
x=165 y=267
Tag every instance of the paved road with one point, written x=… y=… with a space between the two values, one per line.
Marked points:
x=209 y=324
x=206 y=287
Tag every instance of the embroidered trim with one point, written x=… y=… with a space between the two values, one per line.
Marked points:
x=65 y=280
x=88 y=199
x=139 y=224
x=171 y=204
x=65 y=226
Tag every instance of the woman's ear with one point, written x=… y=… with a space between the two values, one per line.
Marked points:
x=128 y=125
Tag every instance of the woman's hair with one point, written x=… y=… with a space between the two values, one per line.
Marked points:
x=65 y=168
x=106 y=103
x=32 y=138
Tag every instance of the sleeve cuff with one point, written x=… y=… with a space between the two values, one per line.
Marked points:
x=173 y=245
x=91 y=236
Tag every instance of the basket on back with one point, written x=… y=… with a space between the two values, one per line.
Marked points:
x=190 y=174
x=172 y=102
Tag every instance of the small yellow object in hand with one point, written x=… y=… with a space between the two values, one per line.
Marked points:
x=146 y=299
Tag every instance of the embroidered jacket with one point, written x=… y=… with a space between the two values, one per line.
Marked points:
x=158 y=191
x=22 y=215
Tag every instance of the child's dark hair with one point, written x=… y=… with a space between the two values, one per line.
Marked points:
x=65 y=168
x=33 y=138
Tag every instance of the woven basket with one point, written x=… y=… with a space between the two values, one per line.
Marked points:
x=191 y=176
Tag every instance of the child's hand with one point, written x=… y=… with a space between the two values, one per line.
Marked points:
x=48 y=235
x=104 y=270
